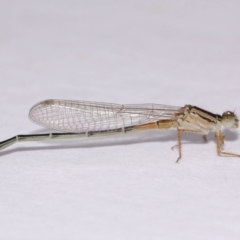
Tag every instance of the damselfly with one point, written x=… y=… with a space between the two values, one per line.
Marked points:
x=86 y=119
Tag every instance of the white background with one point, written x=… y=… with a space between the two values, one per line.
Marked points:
x=127 y=186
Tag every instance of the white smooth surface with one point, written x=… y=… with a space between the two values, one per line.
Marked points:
x=128 y=186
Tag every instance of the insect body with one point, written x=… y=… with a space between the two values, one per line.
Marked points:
x=86 y=119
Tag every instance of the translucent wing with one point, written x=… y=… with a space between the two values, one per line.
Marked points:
x=81 y=116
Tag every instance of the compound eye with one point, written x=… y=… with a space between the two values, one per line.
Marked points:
x=229 y=120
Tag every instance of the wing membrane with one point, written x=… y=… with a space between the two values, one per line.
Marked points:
x=82 y=116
